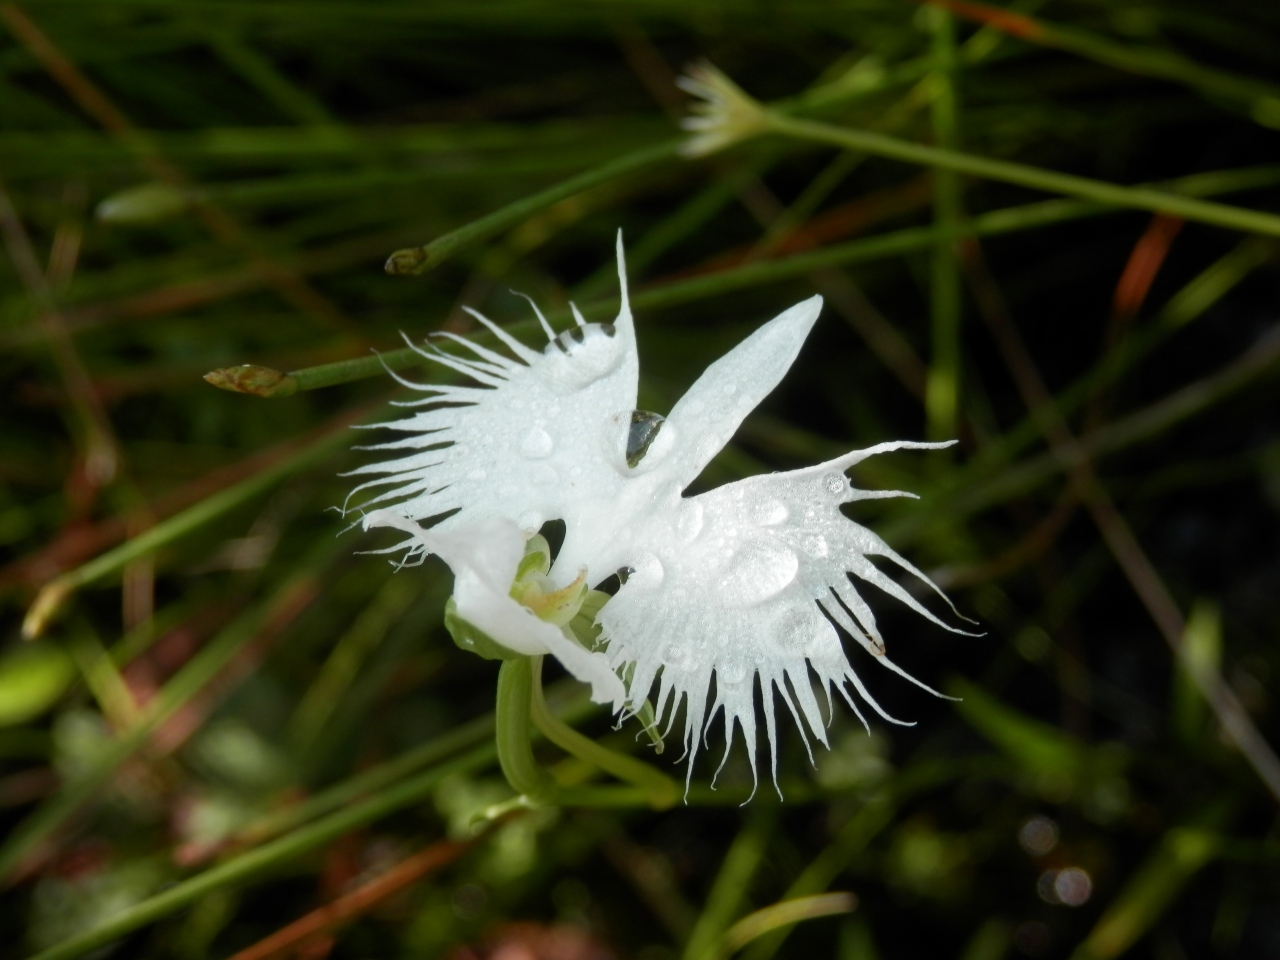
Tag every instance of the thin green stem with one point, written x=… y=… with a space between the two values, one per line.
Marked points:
x=54 y=594
x=660 y=791
x=185 y=684
x=267 y=383
x=268 y=856
x=566 y=699
x=413 y=261
x=1262 y=98
x=512 y=712
x=911 y=240
x=724 y=902
x=874 y=816
x=1138 y=198
x=784 y=915
x=942 y=388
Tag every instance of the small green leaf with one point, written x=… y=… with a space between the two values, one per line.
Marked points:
x=32 y=678
x=468 y=638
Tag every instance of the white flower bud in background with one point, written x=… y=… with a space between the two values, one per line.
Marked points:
x=723 y=113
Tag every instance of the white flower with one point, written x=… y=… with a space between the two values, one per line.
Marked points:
x=743 y=582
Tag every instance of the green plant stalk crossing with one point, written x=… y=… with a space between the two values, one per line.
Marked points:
x=1139 y=198
x=269 y=855
x=413 y=261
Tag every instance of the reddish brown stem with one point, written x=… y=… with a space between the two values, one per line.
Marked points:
x=354 y=904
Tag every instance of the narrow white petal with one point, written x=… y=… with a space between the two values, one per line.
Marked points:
x=708 y=415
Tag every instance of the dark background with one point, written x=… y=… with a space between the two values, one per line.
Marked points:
x=209 y=184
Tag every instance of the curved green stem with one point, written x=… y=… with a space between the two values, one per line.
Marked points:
x=516 y=683
x=660 y=790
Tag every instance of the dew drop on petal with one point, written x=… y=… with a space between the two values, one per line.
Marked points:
x=646 y=573
x=761 y=569
x=543 y=473
x=674 y=655
x=643 y=431
x=768 y=513
x=731 y=673
x=689 y=521
x=816 y=546
x=537 y=444
x=834 y=484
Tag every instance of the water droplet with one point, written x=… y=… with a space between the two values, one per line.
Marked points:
x=529 y=520
x=767 y=513
x=543 y=473
x=761 y=569
x=731 y=673
x=834 y=484
x=646 y=573
x=641 y=434
x=674 y=655
x=689 y=520
x=730 y=389
x=816 y=546
x=537 y=444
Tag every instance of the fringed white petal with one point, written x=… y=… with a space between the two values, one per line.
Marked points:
x=527 y=444
x=734 y=585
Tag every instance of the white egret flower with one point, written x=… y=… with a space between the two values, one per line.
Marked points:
x=746 y=582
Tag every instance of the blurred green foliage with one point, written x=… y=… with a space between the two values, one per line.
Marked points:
x=234 y=719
